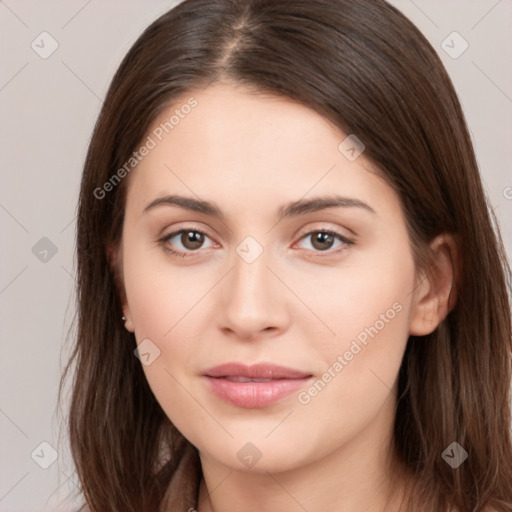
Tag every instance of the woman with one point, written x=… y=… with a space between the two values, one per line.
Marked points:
x=291 y=296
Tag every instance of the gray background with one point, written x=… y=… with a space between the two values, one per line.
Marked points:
x=48 y=108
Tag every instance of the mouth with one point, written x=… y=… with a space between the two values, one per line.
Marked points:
x=254 y=386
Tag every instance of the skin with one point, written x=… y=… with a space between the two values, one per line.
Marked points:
x=295 y=305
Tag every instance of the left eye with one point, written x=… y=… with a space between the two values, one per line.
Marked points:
x=324 y=239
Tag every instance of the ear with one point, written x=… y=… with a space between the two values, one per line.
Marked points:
x=435 y=295
x=115 y=261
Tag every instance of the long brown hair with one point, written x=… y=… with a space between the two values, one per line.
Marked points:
x=366 y=68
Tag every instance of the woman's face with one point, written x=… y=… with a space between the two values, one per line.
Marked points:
x=278 y=279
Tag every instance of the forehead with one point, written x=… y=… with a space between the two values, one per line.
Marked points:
x=240 y=148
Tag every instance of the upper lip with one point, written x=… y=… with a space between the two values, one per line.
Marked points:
x=256 y=371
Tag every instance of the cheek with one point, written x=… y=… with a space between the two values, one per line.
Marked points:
x=369 y=311
x=373 y=318
x=163 y=303
x=365 y=300
x=161 y=296
x=167 y=306
x=357 y=389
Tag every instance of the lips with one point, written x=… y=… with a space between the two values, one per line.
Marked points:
x=256 y=371
x=254 y=386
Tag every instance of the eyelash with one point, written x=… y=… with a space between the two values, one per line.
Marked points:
x=346 y=241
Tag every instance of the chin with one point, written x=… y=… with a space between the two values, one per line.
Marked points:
x=262 y=456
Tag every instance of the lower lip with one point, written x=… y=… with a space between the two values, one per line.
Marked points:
x=253 y=395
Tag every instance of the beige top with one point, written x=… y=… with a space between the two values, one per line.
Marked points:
x=183 y=491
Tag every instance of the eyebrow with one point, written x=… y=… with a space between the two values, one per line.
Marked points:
x=293 y=209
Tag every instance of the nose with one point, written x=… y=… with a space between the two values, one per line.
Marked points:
x=254 y=302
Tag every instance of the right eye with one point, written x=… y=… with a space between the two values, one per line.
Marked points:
x=191 y=240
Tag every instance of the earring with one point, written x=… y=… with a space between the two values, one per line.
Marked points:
x=123 y=319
